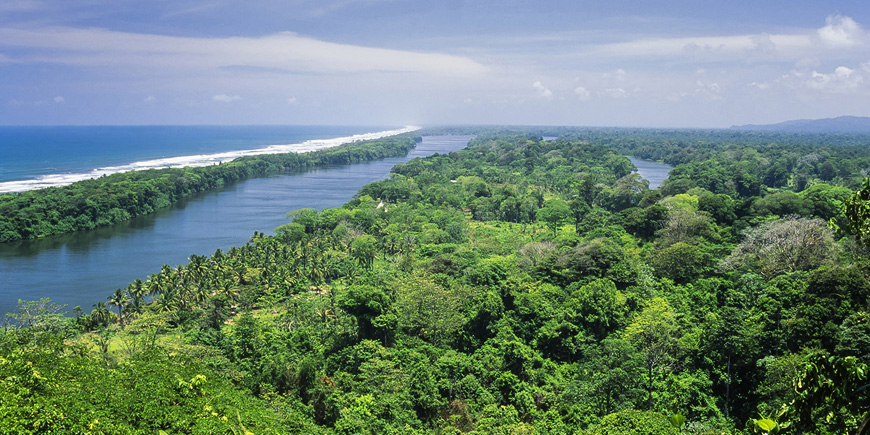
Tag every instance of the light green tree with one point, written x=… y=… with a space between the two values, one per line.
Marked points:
x=653 y=333
x=364 y=249
x=554 y=213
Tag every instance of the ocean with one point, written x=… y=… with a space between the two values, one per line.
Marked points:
x=38 y=157
x=83 y=268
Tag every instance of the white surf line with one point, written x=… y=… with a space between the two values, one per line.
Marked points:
x=192 y=161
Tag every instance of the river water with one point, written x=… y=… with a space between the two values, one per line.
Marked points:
x=84 y=268
x=654 y=172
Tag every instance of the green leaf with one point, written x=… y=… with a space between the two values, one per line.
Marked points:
x=677 y=420
x=766 y=424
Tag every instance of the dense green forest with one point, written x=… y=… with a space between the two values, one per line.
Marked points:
x=519 y=286
x=114 y=198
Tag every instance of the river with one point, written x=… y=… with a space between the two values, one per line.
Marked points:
x=654 y=172
x=84 y=268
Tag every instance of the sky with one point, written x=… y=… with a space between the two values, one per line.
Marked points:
x=681 y=63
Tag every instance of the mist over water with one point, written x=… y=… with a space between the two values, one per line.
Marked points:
x=84 y=268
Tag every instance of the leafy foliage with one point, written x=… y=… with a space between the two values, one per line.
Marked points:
x=520 y=285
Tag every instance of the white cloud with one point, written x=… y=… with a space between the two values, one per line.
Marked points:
x=616 y=93
x=843 y=71
x=843 y=80
x=226 y=98
x=709 y=87
x=542 y=91
x=710 y=77
x=582 y=93
x=841 y=31
x=763 y=45
x=618 y=75
x=59 y=99
x=285 y=52
x=676 y=47
x=708 y=90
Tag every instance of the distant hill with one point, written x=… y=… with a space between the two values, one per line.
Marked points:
x=842 y=124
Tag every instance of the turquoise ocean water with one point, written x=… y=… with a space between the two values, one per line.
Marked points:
x=35 y=157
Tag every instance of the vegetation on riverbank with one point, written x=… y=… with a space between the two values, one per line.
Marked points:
x=118 y=197
x=518 y=286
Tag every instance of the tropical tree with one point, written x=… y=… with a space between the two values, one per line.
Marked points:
x=119 y=298
x=784 y=245
x=373 y=310
x=829 y=398
x=686 y=225
x=628 y=192
x=364 y=250
x=427 y=308
x=101 y=314
x=554 y=213
x=653 y=333
x=137 y=289
x=857 y=211
x=632 y=422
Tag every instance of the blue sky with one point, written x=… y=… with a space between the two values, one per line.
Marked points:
x=396 y=62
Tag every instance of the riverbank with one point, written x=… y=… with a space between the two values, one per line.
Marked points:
x=118 y=197
x=83 y=268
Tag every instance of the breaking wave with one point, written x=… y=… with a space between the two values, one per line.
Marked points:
x=196 y=160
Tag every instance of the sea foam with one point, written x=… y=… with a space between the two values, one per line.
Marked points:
x=54 y=180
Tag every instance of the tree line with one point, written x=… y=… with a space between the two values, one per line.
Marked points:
x=114 y=198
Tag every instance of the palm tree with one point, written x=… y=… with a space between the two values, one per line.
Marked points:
x=101 y=313
x=137 y=289
x=135 y=306
x=196 y=267
x=228 y=288
x=119 y=298
x=165 y=302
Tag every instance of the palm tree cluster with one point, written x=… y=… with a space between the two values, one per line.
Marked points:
x=216 y=287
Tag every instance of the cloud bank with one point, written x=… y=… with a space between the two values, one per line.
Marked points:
x=839 y=33
x=286 y=52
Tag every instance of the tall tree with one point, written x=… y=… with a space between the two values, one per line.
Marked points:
x=653 y=333
x=784 y=245
x=119 y=299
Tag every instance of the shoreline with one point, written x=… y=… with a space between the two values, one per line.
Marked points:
x=192 y=161
x=92 y=203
